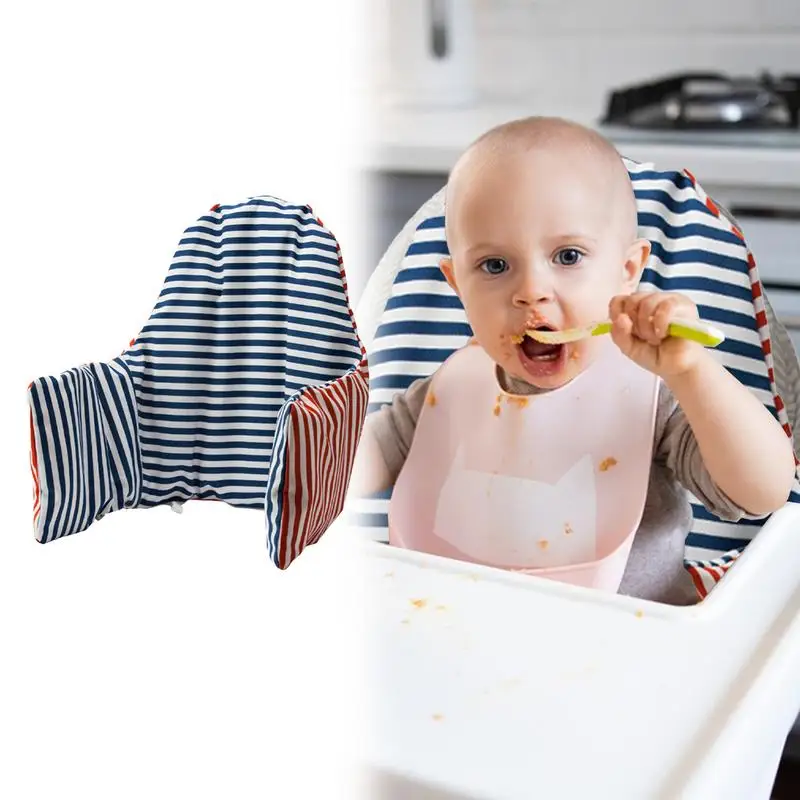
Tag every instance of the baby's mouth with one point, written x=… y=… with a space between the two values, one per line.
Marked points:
x=538 y=351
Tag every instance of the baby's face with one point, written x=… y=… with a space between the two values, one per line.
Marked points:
x=537 y=241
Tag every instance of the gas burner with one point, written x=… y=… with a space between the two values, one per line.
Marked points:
x=707 y=101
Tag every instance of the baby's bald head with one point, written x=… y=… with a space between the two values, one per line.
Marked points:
x=556 y=143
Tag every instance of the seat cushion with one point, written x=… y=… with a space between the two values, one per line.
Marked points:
x=253 y=313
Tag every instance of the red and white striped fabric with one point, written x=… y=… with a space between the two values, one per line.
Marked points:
x=315 y=446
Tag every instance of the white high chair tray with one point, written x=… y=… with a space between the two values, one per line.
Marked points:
x=495 y=685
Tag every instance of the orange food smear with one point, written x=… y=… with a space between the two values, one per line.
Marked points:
x=431 y=399
x=607 y=463
x=544 y=544
x=419 y=603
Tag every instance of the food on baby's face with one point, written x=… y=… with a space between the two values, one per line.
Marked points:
x=496 y=409
x=419 y=603
x=517 y=339
x=544 y=544
x=607 y=463
x=431 y=399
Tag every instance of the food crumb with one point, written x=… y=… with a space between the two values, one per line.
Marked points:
x=544 y=544
x=389 y=575
x=437 y=717
x=567 y=529
x=431 y=399
x=404 y=621
x=639 y=614
x=607 y=463
x=519 y=402
x=496 y=410
x=419 y=603
x=441 y=608
x=517 y=339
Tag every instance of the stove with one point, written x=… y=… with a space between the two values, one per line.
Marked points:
x=712 y=109
x=708 y=108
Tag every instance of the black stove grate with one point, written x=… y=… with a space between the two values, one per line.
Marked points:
x=639 y=105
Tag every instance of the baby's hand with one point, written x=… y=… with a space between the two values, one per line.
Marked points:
x=640 y=328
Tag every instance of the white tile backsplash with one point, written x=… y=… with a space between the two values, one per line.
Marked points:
x=566 y=54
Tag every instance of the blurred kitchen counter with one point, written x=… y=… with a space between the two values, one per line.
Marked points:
x=418 y=141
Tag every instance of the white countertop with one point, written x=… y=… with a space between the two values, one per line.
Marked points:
x=428 y=141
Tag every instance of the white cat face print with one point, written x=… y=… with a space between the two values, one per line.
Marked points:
x=505 y=519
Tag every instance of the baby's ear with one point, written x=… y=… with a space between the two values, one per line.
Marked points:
x=635 y=261
x=446 y=266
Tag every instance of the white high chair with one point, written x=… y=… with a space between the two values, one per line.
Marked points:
x=489 y=684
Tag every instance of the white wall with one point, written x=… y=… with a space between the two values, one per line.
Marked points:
x=567 y=53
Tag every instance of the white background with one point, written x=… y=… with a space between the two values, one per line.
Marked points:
x=160 y=655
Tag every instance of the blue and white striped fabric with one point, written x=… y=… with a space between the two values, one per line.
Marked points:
x=695 y=250
x=254 y=310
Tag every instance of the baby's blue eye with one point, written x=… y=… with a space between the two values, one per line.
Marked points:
x=494 y=266
x=569 y=257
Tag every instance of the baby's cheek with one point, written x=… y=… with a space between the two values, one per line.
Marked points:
x=505 y=346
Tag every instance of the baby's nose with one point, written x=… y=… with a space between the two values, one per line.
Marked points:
x=533 y=287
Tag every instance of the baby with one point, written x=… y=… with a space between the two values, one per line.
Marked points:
x=566 y=459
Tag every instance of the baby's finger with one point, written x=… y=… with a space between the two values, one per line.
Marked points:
x=616 y=306
x=663 y=316
x=622 y=333
x=645 y=314
x=630 y=307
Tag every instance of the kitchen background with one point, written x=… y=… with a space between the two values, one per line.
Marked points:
x=542 y=50
x=513 y=58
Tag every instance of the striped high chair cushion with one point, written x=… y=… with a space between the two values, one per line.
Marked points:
x=695 y=251
x=252 y=334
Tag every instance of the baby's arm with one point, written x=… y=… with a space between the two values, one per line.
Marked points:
x=385 y=441
x=743 y=448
